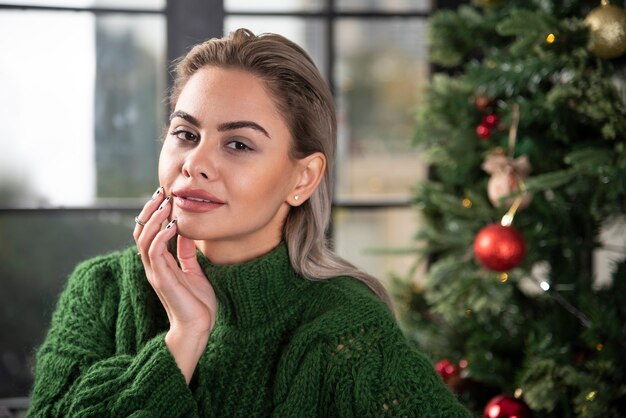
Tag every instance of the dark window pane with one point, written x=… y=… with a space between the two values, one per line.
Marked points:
x=381 y=70
x=38 y=250
x=129 y=106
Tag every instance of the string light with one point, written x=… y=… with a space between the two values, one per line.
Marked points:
x=550 y=38
x=467 y=203
x=503 y=277
x=591 y=395
x=599 y=346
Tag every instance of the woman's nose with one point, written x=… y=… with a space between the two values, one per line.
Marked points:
x=199 y=164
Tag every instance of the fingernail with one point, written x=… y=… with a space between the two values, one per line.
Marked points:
x=157 y=193
x=171 y=224
x=165 y=202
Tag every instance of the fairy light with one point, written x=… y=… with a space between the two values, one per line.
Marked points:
x=599 y=346
x=467 y=203
x=503 y=277
x=591 y=395
x=545 y=286
x=550 y=38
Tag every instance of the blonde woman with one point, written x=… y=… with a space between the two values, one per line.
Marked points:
x=251 y=314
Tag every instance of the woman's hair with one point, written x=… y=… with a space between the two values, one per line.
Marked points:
x=306 y=104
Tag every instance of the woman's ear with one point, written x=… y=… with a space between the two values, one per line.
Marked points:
x=310 y=173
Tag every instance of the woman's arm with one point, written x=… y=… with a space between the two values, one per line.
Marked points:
x=79 y=372
x=367 y=369
x=373 y=371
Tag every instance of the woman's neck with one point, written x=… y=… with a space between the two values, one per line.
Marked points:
x=234 y=252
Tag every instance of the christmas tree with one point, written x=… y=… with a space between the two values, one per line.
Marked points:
x=523 y=307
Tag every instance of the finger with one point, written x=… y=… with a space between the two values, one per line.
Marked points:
x=187 y=256
x=162 y=262
x=152 y=227
x=147 y=210
x=163 y=267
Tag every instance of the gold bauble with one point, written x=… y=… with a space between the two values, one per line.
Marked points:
x=608 y=30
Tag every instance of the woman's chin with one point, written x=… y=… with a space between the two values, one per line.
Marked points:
x=185 y=230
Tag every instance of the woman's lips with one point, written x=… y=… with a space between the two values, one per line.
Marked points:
x=194 y=200
x=192 y=205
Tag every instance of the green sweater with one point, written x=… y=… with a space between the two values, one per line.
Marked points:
x=282 y=346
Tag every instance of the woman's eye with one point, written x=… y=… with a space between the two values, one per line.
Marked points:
x=238 y=146
x=185 y=135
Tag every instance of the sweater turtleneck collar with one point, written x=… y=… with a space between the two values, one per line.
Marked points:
x=255 y=292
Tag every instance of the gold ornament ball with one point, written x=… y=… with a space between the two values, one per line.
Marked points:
x=608 y=30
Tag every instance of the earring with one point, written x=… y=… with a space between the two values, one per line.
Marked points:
x=296 y=197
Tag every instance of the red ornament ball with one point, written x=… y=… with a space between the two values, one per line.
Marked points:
x=507 y=407
x=499 y=248
x=483 y=131
x=490 y=120
x=446 y=369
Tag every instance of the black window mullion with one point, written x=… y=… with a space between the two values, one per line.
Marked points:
x=190 y=22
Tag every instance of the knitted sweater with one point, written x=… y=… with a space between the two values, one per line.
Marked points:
x=282 y=346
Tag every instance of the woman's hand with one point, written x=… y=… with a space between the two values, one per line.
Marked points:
x=184 y=291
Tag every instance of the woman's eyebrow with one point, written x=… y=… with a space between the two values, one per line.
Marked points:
x=184 y=115
x=227 y=126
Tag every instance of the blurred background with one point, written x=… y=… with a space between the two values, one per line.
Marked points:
x=83 y=86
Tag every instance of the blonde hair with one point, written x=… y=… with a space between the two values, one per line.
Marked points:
x=306 y=104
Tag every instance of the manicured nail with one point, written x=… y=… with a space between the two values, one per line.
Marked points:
x=157 y=193
x=171 y=224
x=165 y=202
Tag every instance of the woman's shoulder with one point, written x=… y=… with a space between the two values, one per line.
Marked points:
x=110 y=262
x=342 y=304
x=97 y=273
x=349 y=290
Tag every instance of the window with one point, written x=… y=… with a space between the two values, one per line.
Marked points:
x=83 y=84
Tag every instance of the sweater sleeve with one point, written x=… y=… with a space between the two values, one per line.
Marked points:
x=78 y=371
x=373 y=371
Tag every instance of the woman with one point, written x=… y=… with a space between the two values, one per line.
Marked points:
x=254 y=316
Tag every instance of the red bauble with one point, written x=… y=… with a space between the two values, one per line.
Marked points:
x=446 y=369
x=507 y=407
x=490 y=120
x=483 y=131
x=499 y=248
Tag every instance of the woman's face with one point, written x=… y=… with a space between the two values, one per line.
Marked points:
x=225 y=162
